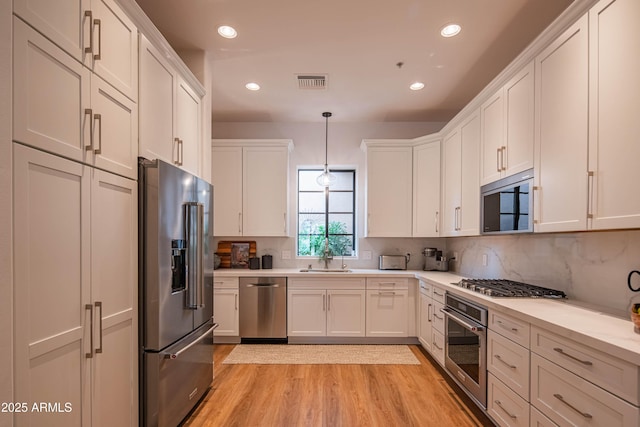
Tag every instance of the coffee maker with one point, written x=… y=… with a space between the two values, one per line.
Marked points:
x=434 y=261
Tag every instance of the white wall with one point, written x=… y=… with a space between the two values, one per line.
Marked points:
x=344 y=150
x=6 y=278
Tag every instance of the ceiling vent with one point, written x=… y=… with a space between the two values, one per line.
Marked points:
x=312 y=81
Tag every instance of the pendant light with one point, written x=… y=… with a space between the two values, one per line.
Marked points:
x=325 y=179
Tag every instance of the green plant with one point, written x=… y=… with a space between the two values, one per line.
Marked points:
x=312 y=240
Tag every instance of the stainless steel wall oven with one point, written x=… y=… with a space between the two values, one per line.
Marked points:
x=466 y=345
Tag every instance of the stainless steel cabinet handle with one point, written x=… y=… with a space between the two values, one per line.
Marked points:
x=502 y=325
x=329 y=302
x=504 y=158
x=236 y=300
x=178 y=353
x=99 y=306
x=89 y=112
x=562 y=352
x=429 y=313
x=285 y=223
x=561 y=399
x=177 y=158
x=590 y=193
x=239 y=222
x=437 y=346
x=437 y=317
x=497 y=402
x=497 y=356
x=98 y=23
x=89 y=14
x=90 y=308
x=436 y=293
x=98 y=118
x=181 y=152
x=498 y=167
x=437 y=220
x=324 y=303
x=386 y=292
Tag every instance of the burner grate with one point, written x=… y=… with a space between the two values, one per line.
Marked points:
x=509 y=288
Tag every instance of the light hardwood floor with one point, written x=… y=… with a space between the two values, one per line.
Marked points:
x=333 y=395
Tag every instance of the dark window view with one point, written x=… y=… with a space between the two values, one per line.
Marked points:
x=507 y=209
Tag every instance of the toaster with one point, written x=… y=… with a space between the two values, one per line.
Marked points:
x=392 y=262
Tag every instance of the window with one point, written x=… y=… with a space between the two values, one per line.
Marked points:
x=326 y=213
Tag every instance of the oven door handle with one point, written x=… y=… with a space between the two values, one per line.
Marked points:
x=470 y=326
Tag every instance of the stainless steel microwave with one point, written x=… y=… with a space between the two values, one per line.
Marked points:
x=506 y=206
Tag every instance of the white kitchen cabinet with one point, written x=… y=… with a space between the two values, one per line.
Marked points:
x=251 y=181
x=614 y=102
x=504 y=406
x=560 y=192
x=460 y=187
x=170 y=112
x=226 y=306
x=387 y=306
x=61 y=107
x=76 y=326
x=326 y=307
x=425 y=329
x=389 y=190
x=507 y=128
x=94 y=32
x=508 y=362
x=426 y=190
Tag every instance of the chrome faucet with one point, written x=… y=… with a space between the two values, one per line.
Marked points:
x=326 y=254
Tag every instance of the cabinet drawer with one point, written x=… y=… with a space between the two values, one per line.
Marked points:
x=226 y=282
x=387 y=284
x=326 y=283
x=538 y=419
x=504 y=406
x=426 y=288
x=570 y=400
x=510 y=327
x=509 y=362
x=438 y=317
x=438 y=294
x=437 y=346
x=613 y=374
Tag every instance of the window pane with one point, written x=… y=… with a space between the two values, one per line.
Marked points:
x=341 y=202
x=307 y=180
x=311 y=202
x=340 y=224
x=341 y=245
x=344 y=180
x=310 y=224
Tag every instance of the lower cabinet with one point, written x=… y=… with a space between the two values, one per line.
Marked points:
x=426 y=325
x=226 y=305
x=387 y=306
x=504 y=405
x=326 y=307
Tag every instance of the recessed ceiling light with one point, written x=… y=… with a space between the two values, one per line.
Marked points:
x=252 y=86
x=227 y=31
x=450 y=30
x=416 y=86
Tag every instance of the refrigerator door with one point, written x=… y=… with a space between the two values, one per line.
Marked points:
x=175 y=222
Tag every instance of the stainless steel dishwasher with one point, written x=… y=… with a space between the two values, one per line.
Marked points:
x=263 y=309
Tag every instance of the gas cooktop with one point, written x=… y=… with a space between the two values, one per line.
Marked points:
x=508 y=288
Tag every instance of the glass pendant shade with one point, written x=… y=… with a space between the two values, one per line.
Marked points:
x=325 y=179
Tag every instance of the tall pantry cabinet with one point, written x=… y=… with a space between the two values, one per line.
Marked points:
x=75 y=212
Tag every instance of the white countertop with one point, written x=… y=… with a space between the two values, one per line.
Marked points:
x=602 y=331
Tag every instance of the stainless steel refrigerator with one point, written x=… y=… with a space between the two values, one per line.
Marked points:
x=175 y=292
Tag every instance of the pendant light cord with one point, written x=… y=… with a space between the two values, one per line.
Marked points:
x=326 y=115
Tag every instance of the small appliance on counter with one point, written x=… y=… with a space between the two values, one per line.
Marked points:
x=267 y=261
x=434 y=260
x=393 y=262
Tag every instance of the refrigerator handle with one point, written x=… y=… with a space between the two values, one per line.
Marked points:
x=193 y=230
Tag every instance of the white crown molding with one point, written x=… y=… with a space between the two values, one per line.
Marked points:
x=253 y=142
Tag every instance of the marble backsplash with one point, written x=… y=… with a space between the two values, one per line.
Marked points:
x=590 y=267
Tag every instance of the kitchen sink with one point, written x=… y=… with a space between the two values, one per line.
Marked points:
x=324 y=270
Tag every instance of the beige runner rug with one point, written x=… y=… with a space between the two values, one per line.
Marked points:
x=311 y=354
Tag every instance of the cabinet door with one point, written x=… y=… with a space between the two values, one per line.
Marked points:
x=265 y=173
x=226 y=176
x=114 y=130
x=517 y=156
x=115 y=47
x=61 y=21
x=387 y=313
x=188 y=128
x=469 y=211
x=306 y=313
x=561 y=139
x=425 y=321
x=51 y=93
x=52 y=286
x=492 y=138
x=426 y=190
x=157 y=104
x=346 y=313
x=614 y=102
x=114 y=290
x=225 y=309
x=452 y=183
x=389 y=191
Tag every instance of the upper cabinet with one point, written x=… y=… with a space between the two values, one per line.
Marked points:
x=251 y=187
x=388 y=189
x=94 y=32
x=461 y=187
x=614 y=103
x=426 y=189
x=507 y=128
x=560 y=197
x=62 y=107
x=170 y=112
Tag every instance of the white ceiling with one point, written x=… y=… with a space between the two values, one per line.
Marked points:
x=358 y=44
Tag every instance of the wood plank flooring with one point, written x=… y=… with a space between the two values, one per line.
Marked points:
x=333 y=395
